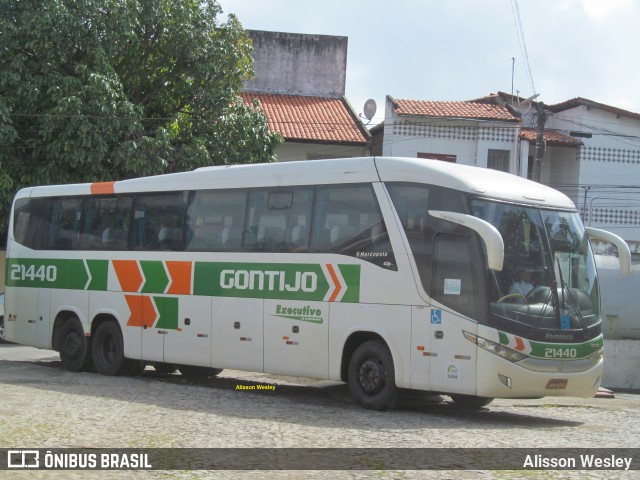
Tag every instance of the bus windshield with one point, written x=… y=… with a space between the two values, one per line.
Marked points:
x=548 y=287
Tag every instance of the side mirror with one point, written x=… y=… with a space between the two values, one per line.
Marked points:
x=488 y=233
x=624 y=254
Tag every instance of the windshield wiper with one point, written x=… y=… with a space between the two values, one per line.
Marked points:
x=574 y=303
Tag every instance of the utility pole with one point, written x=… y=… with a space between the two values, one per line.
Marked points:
x=537 y=164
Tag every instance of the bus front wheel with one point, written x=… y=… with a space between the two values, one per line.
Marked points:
x=73 y=345
x=108 y=350
x=371 y=376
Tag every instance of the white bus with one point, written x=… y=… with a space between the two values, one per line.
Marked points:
x=384 y=273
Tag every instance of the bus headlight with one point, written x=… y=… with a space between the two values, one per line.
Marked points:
x=495 y=348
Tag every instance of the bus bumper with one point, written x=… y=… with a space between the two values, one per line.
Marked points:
x=500 y=378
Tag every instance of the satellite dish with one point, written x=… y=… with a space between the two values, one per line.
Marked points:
x=370 y=108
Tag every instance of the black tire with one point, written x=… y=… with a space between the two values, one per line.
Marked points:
x=2 y=340
x=136 y=367
x=74 y=346
x=191 y=371
x=371 y=376
x=470 y=402
x=108 y=350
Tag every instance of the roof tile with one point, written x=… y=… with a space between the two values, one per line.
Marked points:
x=552 y=137
x=318 y=119
x=470 y=110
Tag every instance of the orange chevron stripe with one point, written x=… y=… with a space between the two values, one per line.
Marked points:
x=102 y=188
x=336 y=282
x=142 y=311
x=180 y=273
x=519 y=344
x=128 y=274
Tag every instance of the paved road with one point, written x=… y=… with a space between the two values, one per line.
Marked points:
x=44 y=406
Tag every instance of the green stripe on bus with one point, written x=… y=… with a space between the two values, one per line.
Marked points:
x=99 y=270
x=351 y=275
x=287 y=281
x=566 y=350
x=156 y=278
x=168 y=312
x=48 y=273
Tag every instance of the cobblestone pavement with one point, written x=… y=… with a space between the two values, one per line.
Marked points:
x=44 y=406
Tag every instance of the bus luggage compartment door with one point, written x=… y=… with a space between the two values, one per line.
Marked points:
x=296 y=338
x=238 y=333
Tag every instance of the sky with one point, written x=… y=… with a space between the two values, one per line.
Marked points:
x=453 y=50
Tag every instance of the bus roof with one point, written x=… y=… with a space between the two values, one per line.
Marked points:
x=485 y=182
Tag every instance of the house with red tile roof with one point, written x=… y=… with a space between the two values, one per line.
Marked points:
x=300 y=83
x=591 y=150
x=469 y=133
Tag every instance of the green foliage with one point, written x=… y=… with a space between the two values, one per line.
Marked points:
x=96 y=90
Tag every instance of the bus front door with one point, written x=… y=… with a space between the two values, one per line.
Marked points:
x=455 y=292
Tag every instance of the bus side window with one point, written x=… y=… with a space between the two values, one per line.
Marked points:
x=31 y=221
x=159 y=221
x=215 y=220
x=106 y=223
x=279 y=220
x=412 y=202
x=348 y=221
x=64 y=232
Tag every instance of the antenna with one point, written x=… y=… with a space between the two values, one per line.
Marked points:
x=369 y=109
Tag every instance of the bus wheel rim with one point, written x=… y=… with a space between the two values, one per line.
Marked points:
x=371 y=376
x=72 y=345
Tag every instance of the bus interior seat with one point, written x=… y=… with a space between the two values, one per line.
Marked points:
x=270 y=234
x=170 y=238
x=114 y=238
x=206 y=236
x=269 y=239
x=231 y=237
x=299 y=237
x=341 y=233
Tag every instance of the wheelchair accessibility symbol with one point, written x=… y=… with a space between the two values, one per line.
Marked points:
x=436 y=316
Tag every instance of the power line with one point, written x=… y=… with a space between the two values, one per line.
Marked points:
x=521 y=40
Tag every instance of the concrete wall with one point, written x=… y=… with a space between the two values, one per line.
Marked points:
x=620 y=301
x=290 y=151
x=621 y=360
x=298 y=63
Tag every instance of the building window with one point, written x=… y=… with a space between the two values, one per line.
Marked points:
x=438 y=156
x=498 y=160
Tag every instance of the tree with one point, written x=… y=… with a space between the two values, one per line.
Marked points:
x=96 y=90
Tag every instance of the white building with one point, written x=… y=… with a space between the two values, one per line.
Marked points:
x=468 y=133
x=591 y=150
x=607 y=183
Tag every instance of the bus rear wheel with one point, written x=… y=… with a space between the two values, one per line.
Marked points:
x=73 y=345
x=371 y=376
x=108 y=350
